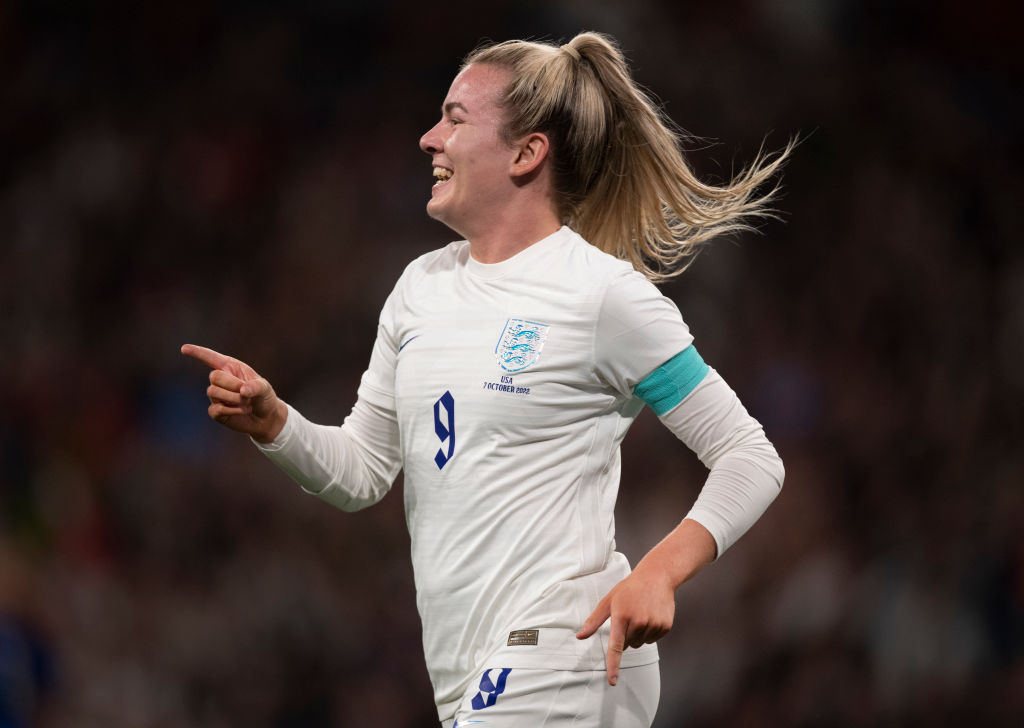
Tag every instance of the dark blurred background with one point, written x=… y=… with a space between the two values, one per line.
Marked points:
x=245 y=175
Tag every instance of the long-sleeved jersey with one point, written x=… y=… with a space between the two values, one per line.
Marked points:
x=504 y=391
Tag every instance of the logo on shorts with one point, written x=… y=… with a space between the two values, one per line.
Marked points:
x=490 y=689
x=520 y=344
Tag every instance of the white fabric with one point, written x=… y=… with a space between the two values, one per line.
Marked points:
x=561 y=699
x=351 y=466
x=746 y=472
x=516 y=530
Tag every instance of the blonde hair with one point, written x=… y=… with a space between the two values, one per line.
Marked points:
x=620 y=177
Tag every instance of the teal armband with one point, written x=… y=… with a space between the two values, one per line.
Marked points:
x=669 y=384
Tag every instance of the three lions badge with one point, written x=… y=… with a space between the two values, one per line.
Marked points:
x=520 y=344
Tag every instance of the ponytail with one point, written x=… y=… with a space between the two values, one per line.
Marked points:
x=620 y=177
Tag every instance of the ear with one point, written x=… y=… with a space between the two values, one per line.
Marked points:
x=531 y=150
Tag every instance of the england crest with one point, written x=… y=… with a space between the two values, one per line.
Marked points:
x=520 y=343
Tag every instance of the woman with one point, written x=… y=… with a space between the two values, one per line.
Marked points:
x=508 y=367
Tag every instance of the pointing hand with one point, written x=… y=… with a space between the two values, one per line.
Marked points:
x=240 y=399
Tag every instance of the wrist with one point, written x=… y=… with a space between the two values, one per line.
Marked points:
x=656 y=573
x=275 y=423
x=681 y=554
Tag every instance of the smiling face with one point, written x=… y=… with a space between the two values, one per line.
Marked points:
x=472 y=163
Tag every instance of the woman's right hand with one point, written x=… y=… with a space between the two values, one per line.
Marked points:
x=239 y=397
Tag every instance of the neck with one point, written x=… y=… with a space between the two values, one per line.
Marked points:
x=504 y=238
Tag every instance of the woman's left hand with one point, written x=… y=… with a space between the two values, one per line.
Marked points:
x=642 y=606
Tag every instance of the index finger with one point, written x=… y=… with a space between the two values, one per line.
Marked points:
x=209 y=357
x=616 y=644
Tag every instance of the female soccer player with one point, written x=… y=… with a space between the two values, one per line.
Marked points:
x=508 y=367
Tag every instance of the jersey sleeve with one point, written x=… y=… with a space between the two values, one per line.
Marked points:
x=378 y=381
x=352 y=466
x=644 y=349
x=638 y=330
x=746 y=473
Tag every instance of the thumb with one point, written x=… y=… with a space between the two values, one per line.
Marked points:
x=598 y=617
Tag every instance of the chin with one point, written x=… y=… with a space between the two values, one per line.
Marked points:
x=439 y=213
x=435 y=212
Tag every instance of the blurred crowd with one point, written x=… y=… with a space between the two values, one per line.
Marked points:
x=246 y=176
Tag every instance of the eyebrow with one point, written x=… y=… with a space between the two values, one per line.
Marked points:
x=452 y=105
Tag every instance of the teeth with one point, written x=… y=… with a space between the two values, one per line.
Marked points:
x=442 y=174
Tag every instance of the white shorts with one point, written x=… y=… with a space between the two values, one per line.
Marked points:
x=517 y=697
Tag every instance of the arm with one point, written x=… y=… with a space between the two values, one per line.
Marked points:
x=643 y=348
x=351 y=466
x=746 y=472
x=745 y=476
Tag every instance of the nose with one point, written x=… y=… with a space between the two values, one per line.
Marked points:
x=432 y=142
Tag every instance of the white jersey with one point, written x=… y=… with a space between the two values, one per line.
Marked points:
x=504 y=391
